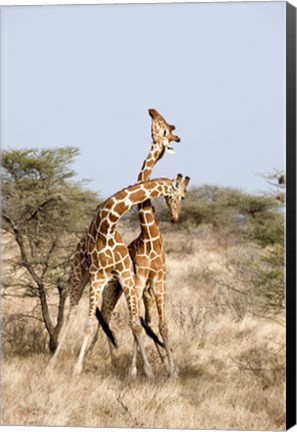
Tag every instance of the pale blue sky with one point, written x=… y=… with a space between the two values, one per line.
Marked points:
x=85 y=76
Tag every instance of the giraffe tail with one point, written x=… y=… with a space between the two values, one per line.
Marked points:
x=106 y=328
x=150 y=333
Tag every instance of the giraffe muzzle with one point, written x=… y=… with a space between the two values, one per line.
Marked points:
x=170 y=149
x=175 y=138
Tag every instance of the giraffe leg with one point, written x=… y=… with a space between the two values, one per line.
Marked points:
x=159 y=288
x=149 y=304
x=133 y=294
x=96 y=288
x=137 y=329
x=133 y=367
x=110 y=296
x=94 y=340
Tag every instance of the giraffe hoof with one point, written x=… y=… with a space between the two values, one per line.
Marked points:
x=174 y=374
x=77 y=370
x=149 y=373
x=133 y=372
x=51 y=364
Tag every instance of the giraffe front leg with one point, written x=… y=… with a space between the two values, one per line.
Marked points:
x=96 y=288
x=159 y=291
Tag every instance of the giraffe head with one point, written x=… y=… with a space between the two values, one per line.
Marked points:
x=162 y=132
x=179 y=190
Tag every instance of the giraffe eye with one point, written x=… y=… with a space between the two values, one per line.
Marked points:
x=164 y=133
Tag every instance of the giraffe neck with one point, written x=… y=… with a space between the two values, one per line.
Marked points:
x=156 y=152
x=146 y=212
x=109 y=213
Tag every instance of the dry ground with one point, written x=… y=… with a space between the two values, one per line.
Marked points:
x=230 y=359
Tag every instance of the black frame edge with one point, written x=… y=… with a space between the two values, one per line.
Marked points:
x=290 y=215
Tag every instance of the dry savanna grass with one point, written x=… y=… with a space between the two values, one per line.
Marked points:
x=230 y=356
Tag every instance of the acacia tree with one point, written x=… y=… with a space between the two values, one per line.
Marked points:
x=45 y=211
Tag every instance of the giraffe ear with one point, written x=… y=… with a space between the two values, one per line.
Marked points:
x=177 y=181
x=179 y=178
x=186 y=181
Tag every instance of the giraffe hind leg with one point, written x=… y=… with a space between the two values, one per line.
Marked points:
x=96 y=288
x=110 y=296
x=159 y=292
x=134 y=308
x=149 y=304
x=106 y=328
x=149 y=331
x=133 y=288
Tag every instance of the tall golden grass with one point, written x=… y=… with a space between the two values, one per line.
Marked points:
x=230 y=356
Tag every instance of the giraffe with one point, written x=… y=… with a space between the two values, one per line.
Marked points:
x=147 y=251
x=106 y=256
x=162 y=137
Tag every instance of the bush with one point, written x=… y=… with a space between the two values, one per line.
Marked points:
x=23 y=335
x=248 y=218
x=227 y=208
